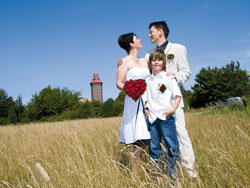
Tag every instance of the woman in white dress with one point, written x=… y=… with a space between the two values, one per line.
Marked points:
x=134 y=127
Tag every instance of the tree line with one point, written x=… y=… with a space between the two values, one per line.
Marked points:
x=55 y=104
x=217 y=84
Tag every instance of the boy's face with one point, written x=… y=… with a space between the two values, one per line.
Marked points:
x=157 y=65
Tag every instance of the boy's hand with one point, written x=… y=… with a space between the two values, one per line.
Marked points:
x=147 y=112
x=169 y=112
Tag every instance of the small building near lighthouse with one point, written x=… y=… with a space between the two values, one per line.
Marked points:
x=96 y=88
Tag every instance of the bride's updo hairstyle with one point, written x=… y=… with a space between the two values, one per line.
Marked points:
x=125 y=40
x=159 y=55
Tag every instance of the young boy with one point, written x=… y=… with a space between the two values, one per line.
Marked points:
x=159 y=96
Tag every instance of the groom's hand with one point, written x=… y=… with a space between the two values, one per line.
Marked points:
x=171 y=74
x=119 y=62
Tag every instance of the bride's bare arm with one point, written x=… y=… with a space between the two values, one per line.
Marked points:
x=121 y=75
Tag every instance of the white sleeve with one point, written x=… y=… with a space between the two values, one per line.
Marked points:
x=144 y=98
x=147 y=56
x=184 y=72
x=175 y=88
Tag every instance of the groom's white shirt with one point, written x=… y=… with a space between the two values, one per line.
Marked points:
x=178 y=65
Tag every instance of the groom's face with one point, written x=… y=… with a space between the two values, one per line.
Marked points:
x=154 y=35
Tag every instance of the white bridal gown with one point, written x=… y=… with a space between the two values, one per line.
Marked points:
x=133 y=129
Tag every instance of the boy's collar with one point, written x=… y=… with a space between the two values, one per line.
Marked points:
x=159 y=75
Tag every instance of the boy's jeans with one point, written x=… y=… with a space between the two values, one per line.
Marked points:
x=166 y=129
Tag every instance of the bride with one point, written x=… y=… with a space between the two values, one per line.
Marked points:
x=134 y=129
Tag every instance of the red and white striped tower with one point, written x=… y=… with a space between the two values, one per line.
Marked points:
x=96 y=88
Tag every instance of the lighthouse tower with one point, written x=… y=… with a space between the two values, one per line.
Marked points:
x=96 y=88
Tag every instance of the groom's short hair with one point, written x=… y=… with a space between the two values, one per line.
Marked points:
x=125 y=40
x=160 y=25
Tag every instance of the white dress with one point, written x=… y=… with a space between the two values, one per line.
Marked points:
x=132 y=128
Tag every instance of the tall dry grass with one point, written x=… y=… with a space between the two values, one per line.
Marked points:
x=87 y=153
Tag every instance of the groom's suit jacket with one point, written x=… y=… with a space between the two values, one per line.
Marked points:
x=178 y=65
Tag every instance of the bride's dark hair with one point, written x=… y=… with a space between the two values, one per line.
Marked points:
x=125 y=40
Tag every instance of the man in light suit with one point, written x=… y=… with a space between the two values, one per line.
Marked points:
x=177 y=67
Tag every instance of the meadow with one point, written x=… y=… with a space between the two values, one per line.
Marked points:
x=87 y=153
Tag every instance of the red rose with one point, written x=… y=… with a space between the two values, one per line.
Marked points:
x=170 y=56
x=162 y=88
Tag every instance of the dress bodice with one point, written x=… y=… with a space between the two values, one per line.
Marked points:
x=137 y=73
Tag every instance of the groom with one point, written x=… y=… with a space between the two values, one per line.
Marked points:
x=177 y=66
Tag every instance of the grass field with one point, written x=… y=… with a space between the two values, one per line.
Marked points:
x=87 y=153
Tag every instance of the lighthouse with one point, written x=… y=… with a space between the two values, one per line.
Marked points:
x=96 y=88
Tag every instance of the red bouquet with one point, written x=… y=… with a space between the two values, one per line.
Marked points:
x=135 y=88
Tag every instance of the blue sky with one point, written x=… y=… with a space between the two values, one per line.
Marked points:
x=61 y=42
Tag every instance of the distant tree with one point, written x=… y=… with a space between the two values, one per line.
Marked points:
x=108 y=108
x=97 y=108
x=208 y=88
x=87 y=110
x=118 y=108
x=52 y=102
x=217 y=84
x=186 y=94
x=119 y=104
x=6 y=103
x=16 y=112
x=121 y=97
x=6 y=106
x=237 y=81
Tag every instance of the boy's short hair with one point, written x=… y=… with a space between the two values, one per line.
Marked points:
x=157 y=54
x=125 y=40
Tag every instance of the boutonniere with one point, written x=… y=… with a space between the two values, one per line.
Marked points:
x=170 y=56
x=162 y=88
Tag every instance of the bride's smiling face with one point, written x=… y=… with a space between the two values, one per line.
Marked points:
x=137 y=43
